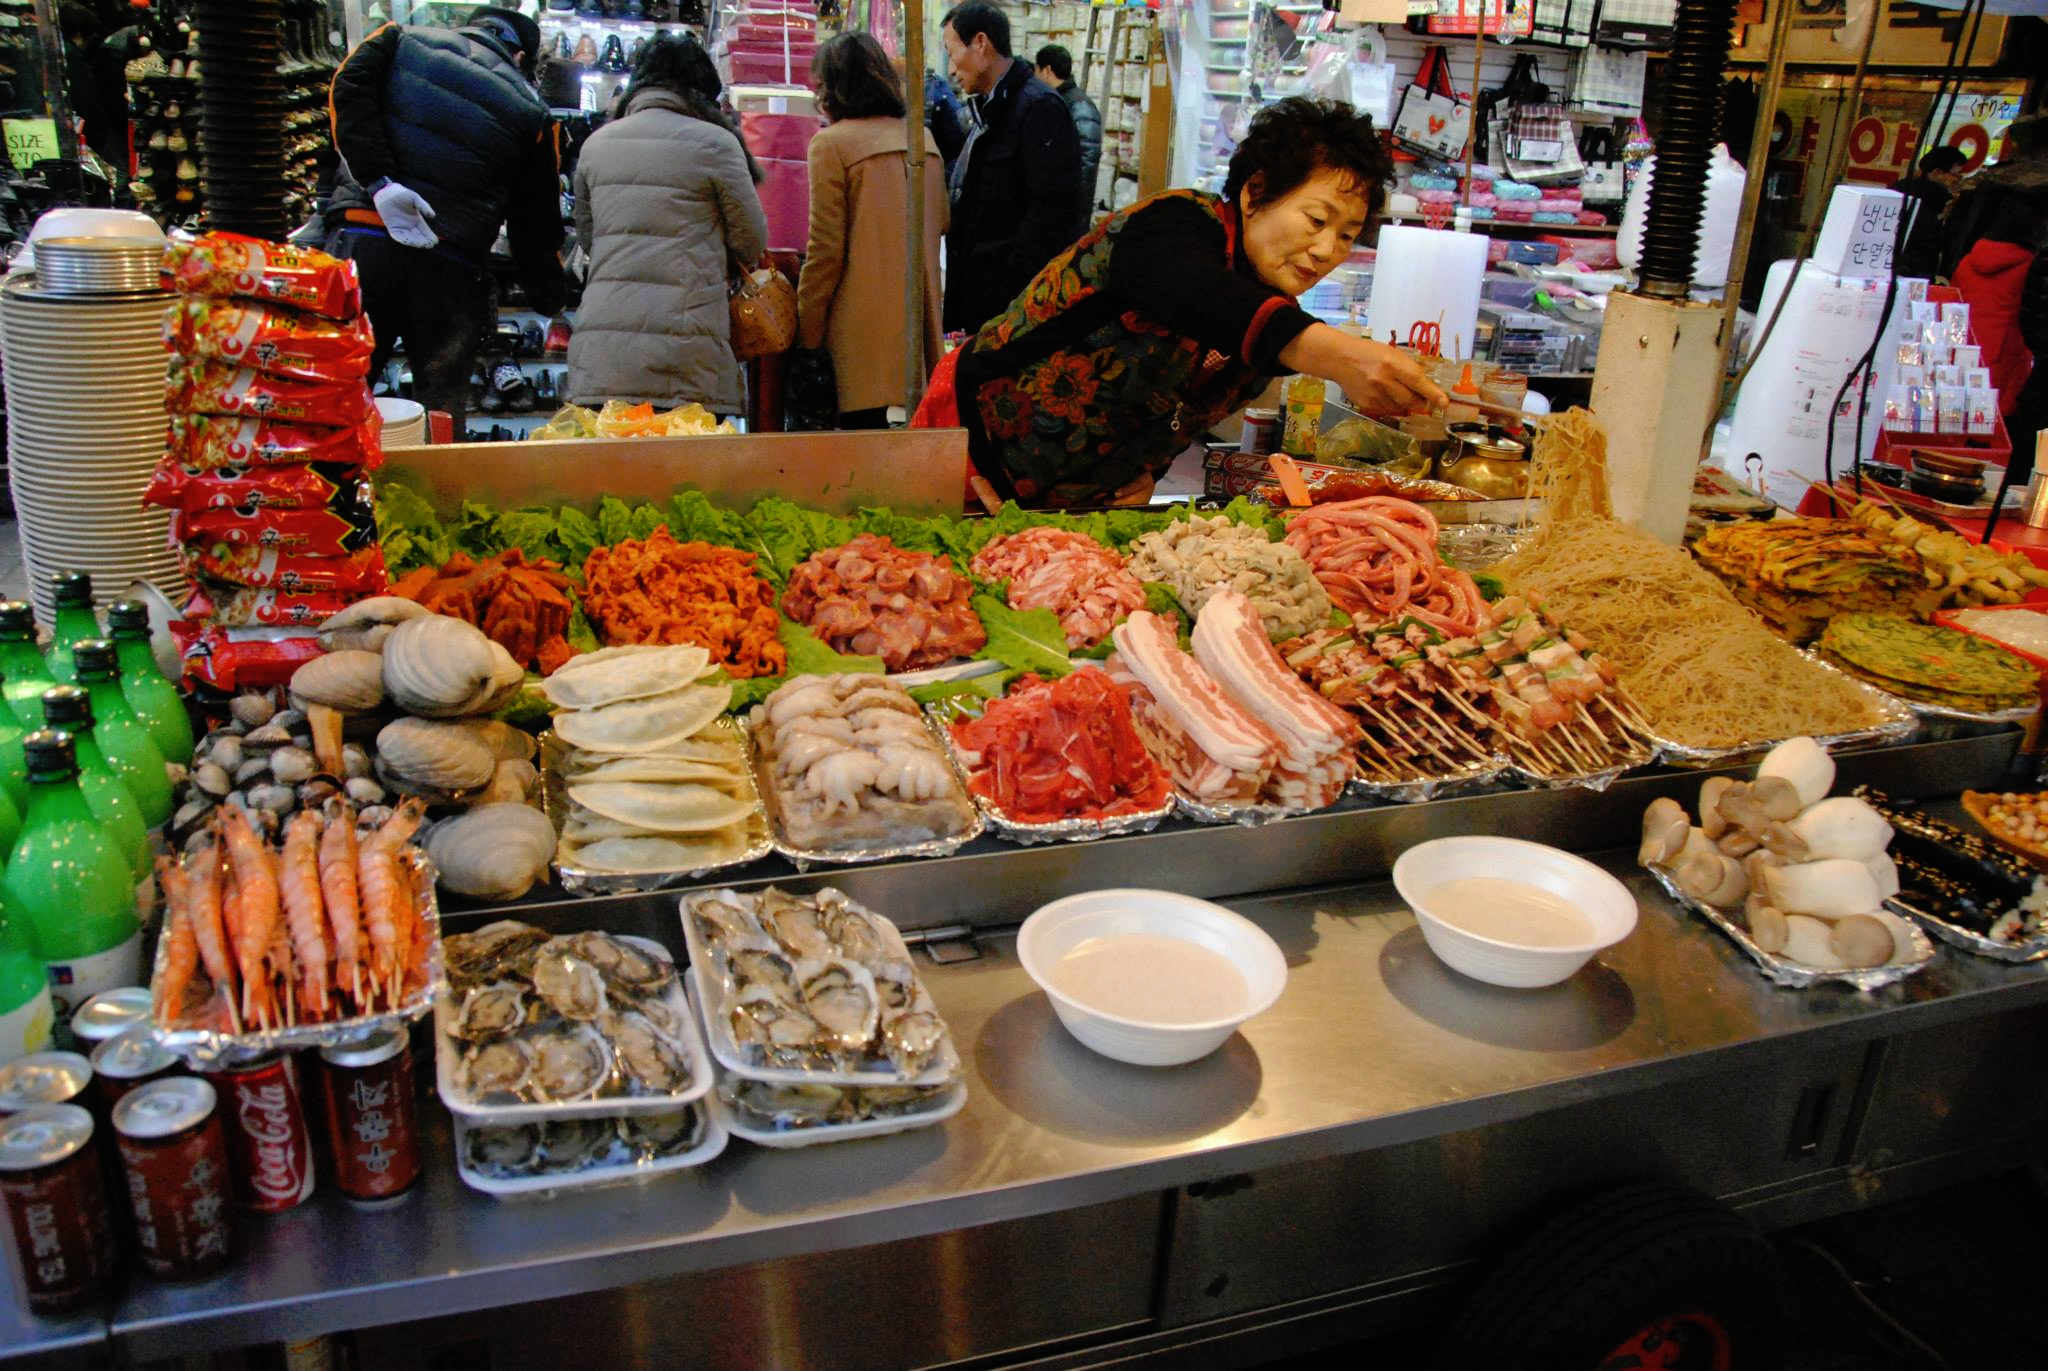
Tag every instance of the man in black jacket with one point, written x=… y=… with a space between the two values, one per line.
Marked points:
x=1940 y=172
x=1016 y=184
x=443 y=138
x=1056 y=68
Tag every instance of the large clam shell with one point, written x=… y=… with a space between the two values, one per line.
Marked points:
x=364 y=625
x=494 y=852
x=442 y=755
x=351 y=681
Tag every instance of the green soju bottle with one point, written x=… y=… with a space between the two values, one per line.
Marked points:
x=72 y=593
x=123 y=740
x=69 y=710
x=26 y=675
x=13 y=763
x=149 y=693
x=26 y=1014
x=69 y=883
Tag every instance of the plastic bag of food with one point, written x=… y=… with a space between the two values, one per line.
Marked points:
x=311 y=486
x=265 y=568
x=232 y=265
x=210 y=442
x=227 y=606
x=693 y=420
x=237 y=659
x=570 y=421
x=620 y=420
x=1363 y=442
x=333 y=532
x=211 y=388
x=277 y=342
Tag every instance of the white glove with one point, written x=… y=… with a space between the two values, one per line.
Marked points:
x=405 y=216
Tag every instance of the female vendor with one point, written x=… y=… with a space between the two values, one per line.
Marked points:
x=1172 y=313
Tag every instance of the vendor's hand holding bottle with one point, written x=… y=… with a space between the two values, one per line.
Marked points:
x=1377 y=379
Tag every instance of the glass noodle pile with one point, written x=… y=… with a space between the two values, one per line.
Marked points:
x=1705 y=671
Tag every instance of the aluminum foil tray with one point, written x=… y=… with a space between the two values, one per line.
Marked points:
x=1798 y=975
x=582 y=881
x=1899 y=723
x=2031 y=950
x=1425 y=786
x=1016 y=831
x=714 y=991
x=807 y=856
x=205 y=1049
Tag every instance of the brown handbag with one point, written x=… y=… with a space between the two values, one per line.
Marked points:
x=763 y=304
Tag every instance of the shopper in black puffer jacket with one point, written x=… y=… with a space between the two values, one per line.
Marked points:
x=443 y=138
x=1056 y=68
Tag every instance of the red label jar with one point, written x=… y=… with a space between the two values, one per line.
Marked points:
x=56 y=1199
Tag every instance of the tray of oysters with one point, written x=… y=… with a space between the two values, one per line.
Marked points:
x=812 y=989
x=535 y=1027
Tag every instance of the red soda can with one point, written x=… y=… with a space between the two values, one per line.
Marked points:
x=263 y=1109
x=109 y=1014
x=123 y=1063
x=56 y=1197
x=176 y=1159
x=44 y=1078
x=373 y=1136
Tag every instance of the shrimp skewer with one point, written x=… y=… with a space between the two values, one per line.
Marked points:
x=257 y=901
x=203 y=881
x=387 y=904
x=181 y=956
x=305 y=918
x=337 y=859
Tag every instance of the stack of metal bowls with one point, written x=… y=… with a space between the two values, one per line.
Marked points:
x=85 y=405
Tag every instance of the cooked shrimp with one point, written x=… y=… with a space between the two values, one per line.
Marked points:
x=203 y=880
x=304 y=915
x=181 y=947
x=386 y=902
x=338 y=886
x=256 y=888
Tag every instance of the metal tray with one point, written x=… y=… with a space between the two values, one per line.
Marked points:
x=206 y=1049
x=1798 y=975
x=805 y=856
x=2032 y=950
x=1424 y=786
x=1626 y=754
x=709 y=1145
x=582 y=881
x=1059 y=831
x=1900 y=723
x=713 y=992
x=447 y=1054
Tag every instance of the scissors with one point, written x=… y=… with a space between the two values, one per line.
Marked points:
x=1427 y=339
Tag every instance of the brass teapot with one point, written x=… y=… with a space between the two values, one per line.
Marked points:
x=1486 y=461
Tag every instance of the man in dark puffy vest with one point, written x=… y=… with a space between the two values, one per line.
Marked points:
x=1056 y=68
x=443 y=138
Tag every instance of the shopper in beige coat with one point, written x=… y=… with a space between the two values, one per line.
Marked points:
x=850 y=296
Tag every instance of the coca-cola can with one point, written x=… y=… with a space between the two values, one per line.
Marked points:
x=372 y=1111
x=263 y=1109
x=56 y=1198
x=175 y=1157
x=121 y=1064
x=109 y=1014
x=44 y=1078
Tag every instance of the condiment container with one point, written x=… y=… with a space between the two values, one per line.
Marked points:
x=1304 y=416
x=1261 y=434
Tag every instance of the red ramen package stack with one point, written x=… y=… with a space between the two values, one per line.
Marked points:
x=272 y=432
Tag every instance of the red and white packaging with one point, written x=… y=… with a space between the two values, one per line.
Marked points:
x=215 y=388
x=277 y=342
x=237 y=659
x=234 y=265
x=270 y=1146
x=205 y=442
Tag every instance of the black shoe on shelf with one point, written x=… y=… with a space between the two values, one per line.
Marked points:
x=510 y=392
x=507 y=338
x=614 y=58
x=690 y=12
x=530 y=339
x=660 y=11
x=547 y=396
x=594 y=9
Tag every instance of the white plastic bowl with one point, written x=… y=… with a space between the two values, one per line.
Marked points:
x=1051 y=932
x=1604 y=901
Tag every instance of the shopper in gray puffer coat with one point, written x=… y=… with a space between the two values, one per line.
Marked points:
x=664 y=198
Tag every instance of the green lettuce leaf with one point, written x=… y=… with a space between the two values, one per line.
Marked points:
x=644 y=519
x=580 y=635
x=533 y=531
x=410 y=531
x=1022 y=639
x=908 y=531
x=786 y=533
x=809 y=654
x=614 y=521
x=1491 y=586
x=577 y=532
x=974 y=692
x=693 y=518
x=475 y=530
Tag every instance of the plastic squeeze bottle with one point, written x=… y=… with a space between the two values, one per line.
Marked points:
x=26 y=675
x=72 y=593
x=71 y=885
x=69 y=710
x=26 y=1013
x=123 y=740
x=152 y=695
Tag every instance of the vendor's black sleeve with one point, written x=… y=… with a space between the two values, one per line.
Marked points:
x=1171 y=265
x=533 y=222
x=355 y=103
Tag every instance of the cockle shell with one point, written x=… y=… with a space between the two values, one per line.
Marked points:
x=445 y=756
x=495 y=851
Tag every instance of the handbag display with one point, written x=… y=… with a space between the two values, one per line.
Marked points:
x=763 y=305
x=1431 y=119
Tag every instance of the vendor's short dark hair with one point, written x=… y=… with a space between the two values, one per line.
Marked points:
x=1058 y=59
x=1943 y=159
x=1290 y=140
x=678 y=64
x=856 y=80
x=979 y=16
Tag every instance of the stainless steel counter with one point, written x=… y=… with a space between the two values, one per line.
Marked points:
x=1374 y=1044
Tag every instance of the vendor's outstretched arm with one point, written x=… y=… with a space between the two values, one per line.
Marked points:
x=1378 y=379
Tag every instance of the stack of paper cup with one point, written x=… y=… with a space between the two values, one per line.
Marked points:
x=405 y=422
x=85 y=408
